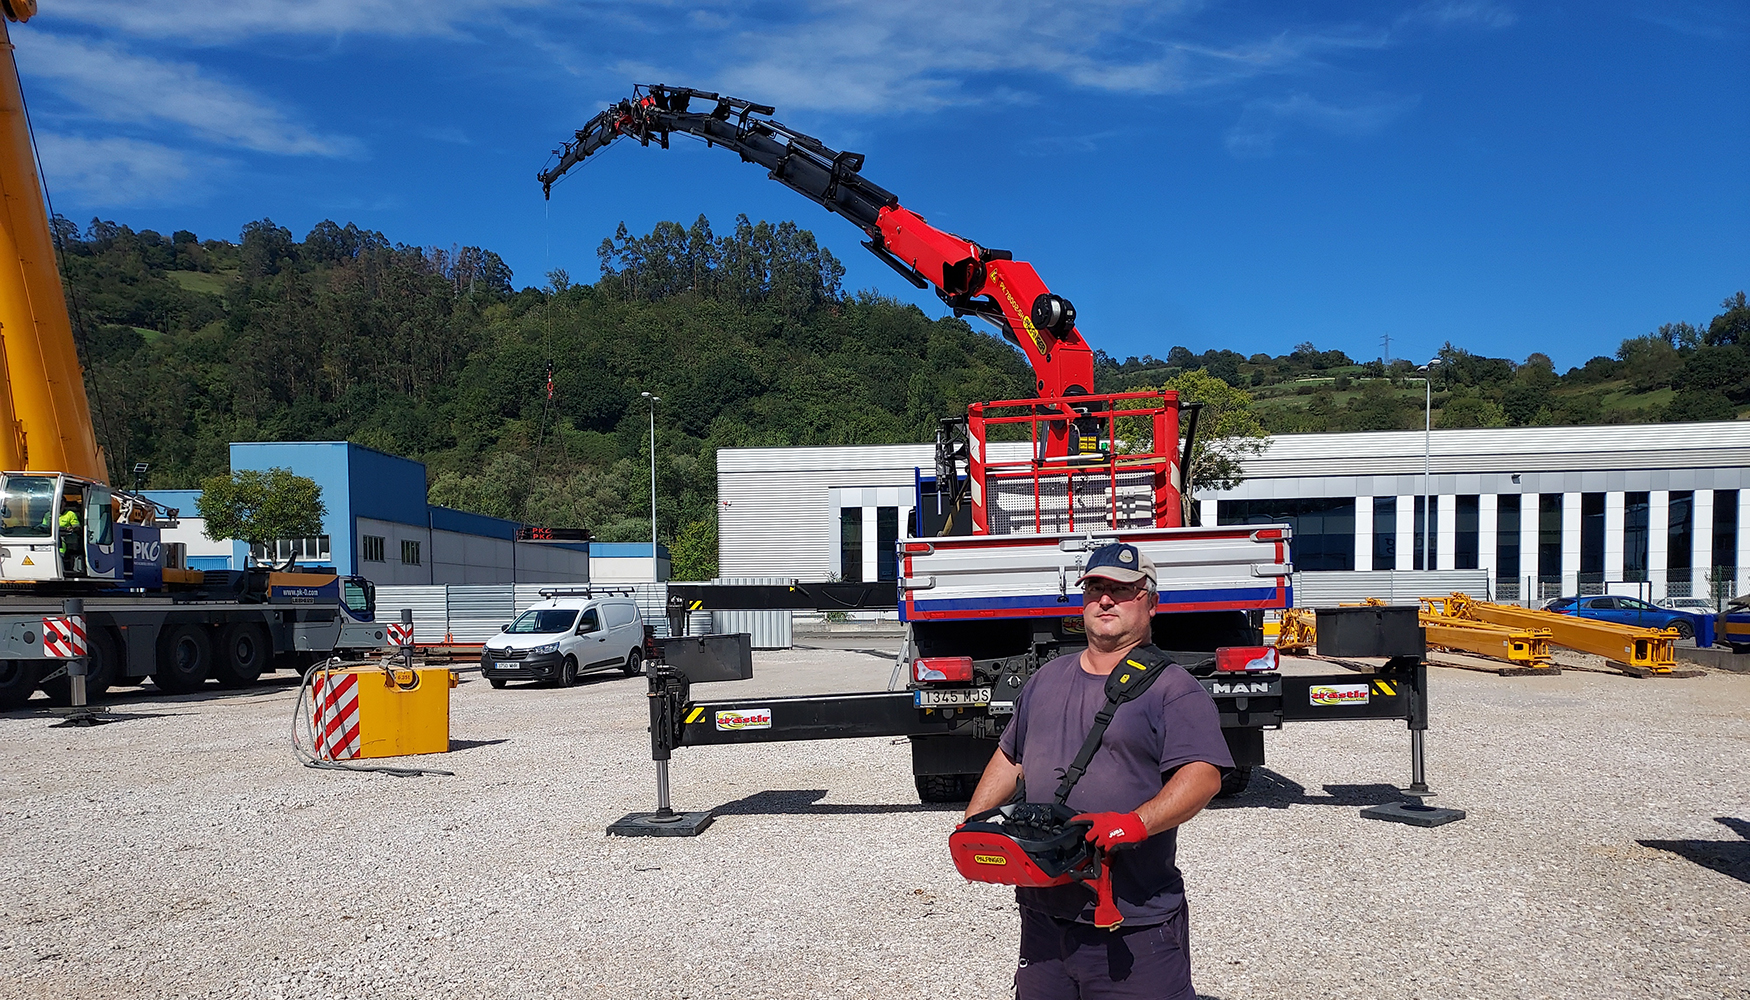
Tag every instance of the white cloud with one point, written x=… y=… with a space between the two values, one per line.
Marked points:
x=1263 y=121
x=218 y=21
x=100 y=173
x=113 y=85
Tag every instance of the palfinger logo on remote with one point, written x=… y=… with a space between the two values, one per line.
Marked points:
x=990 y=859
x=750 y=718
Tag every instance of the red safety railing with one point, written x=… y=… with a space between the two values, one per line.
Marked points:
x=1080 y=475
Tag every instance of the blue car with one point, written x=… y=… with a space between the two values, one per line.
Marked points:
x=1625 y=611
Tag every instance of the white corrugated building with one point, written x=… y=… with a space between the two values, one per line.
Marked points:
x=1542 y=510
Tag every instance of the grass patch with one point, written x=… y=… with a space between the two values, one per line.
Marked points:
x=200 y=281
x=149 y=336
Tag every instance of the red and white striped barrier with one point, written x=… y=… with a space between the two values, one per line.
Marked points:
x=337 y=715
x=400 y=635
x=64 y=637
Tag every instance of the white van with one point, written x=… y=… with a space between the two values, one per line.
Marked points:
x=564 y=634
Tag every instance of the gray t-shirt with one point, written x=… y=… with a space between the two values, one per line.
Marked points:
x=1173 y=723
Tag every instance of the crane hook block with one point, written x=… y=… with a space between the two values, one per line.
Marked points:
x=1054 y=313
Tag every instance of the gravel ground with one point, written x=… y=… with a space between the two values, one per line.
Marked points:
x=182 y=852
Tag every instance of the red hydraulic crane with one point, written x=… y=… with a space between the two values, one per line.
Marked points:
x=1075 y=431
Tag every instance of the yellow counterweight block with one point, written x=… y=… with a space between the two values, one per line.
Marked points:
x=381 y=712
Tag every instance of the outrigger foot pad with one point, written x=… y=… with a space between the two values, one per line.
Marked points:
x=660 y=824
x=1413 y=813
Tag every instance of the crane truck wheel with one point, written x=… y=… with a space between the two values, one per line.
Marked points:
x=17 y=682
x=945 y=787
x=102 y=665
x=1234 y=782
x=244 y=651
x=185 y=655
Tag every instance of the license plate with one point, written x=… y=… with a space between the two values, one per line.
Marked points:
x=951 y=697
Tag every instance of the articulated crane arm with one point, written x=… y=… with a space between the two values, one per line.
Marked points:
x=972 y=280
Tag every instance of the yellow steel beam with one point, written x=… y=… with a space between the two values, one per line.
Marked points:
x=1647 y=648
x=1524 y=646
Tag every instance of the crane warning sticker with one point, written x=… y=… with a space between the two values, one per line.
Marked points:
x=744 y=718
x=1339 y=694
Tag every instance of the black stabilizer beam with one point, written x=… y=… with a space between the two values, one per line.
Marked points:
x=794 y=596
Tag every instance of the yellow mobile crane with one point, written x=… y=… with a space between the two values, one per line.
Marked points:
x=65 y=532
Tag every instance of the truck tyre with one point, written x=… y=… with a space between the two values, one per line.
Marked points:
x=944 y=787
x=185 y=654
x=102 y=663
x=17 y=682
x=1234 y=782
x=634 y=664
x=567 y=672
x=244 y=651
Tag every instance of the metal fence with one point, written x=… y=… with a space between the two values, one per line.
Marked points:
x=476 y=612
x=1329 y=589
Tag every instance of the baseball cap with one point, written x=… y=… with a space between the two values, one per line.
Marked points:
x=1120 y=562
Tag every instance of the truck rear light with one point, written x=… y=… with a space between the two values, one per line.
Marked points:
x=1240 y=659
x=942 y=668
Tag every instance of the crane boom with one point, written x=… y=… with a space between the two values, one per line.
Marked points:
x=45 y=419
x=973 y=280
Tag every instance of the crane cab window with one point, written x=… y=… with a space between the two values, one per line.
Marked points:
x=27 y=507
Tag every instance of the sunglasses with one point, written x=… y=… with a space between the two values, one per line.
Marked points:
x=1119 y=592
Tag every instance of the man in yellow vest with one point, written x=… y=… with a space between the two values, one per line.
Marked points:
x=69 y=528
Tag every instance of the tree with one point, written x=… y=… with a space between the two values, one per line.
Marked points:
x=1228 y=430
x=1732 y=326
x=261 y=507
x=694 y=553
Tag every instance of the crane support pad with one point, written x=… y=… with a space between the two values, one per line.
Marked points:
x=816 y=717
x=795 y=596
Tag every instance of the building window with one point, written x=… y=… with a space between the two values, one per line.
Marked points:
x=1427 y=536
x=1725 y=558
x=1591 y=543
x=1549 y=544
x=1466 y=521
x=851 y=544
x=1507 y=537
x=1636 y=517
x=1385 y=532
x=1680 y=544
x=409 y=552
x=371 y=548
x=284 y=551
x=1324 y=529
x=887 y=543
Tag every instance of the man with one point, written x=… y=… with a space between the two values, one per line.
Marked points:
x=1159 y=764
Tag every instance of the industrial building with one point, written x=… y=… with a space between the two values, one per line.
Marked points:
x=380 y=525
x=1543 y=511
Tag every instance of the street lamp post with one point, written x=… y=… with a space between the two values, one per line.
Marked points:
x=655 y=573
x=1427 y=460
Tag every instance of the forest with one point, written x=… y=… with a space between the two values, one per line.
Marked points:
x=525 y=403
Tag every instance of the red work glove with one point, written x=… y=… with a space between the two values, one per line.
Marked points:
x=1115 y=829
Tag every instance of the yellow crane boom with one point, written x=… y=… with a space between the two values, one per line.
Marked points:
x=45 y=419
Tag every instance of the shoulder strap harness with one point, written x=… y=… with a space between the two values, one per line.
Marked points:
x=1125 y=683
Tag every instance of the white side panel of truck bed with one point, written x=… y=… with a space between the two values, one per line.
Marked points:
x=1243 y=567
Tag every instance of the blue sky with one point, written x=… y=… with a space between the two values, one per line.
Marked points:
x=1507 y=176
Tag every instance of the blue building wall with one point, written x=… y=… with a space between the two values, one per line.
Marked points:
x=327 y=462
